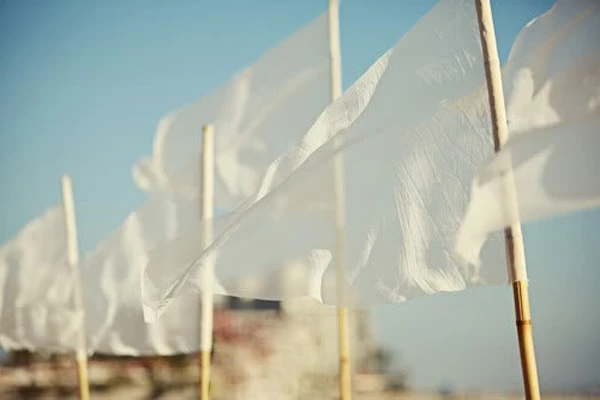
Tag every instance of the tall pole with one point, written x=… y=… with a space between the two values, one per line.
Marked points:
x=340 y=209
x=513 y=236
x=207 y=212
x=73 y=262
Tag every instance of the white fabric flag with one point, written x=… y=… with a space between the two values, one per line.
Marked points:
x=412 y=132
x=36 y=296
x=258 y=115
x=552 y=82
x=111 y=276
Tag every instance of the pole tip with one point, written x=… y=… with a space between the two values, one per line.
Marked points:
x=65 y=179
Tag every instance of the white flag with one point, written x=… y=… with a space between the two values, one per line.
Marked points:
x=552 y=82
x=412 y=132
x=36 y=296
x=258 y=115
x=111 y=277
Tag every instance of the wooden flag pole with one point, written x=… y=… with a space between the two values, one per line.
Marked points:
x=340 y=209
x=207 y=213
x=73 y=261
x=513 y=235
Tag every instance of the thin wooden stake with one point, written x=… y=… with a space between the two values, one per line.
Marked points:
x=73 y=262
x=345 y=370
x=513 y=236
x=207 y=213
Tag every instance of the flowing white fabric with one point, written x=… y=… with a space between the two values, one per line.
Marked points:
x=258 y=115
x=36 y=287
x=552 y=82
x=412 y=132
x=36 y=296
x=112 y=292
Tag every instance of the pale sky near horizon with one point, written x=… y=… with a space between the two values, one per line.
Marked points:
x=84 y=84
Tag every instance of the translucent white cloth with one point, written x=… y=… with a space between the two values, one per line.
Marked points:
x=112 y=273
x=257 y=115
x=552 y=82
x=36 y=296
x=37 y=287
x=411 y=132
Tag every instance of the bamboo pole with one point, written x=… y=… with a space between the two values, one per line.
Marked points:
x=207 y=212
x=513 y=236
x=345 y=382
x=73 y=261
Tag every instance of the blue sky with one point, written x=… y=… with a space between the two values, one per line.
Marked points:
x=84 y=84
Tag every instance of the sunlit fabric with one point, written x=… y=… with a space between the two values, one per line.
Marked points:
x=257 y=115
x=36 y=297
x=111 y=276
x=411 y=132
x=552 y=82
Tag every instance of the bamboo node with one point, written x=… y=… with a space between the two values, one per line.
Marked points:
x=523 y=322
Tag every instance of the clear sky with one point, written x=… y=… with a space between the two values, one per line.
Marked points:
x=83 y=84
